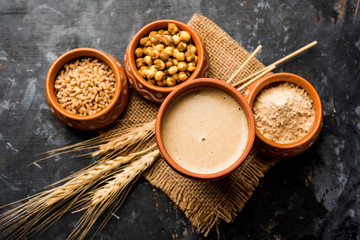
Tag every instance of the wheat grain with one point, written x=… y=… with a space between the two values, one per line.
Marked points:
x=73 y=81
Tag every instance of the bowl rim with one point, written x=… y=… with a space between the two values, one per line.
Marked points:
x=288 y=77
x=159 y=25
x=201 y=83
x=65 y=58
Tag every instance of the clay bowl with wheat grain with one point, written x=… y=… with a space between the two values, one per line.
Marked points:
x=155 y=93
x=101 y=118
x=242 y=105
x=287 y=150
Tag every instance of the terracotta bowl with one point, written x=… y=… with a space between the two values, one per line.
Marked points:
x=155 y=93
x=286 y=150
x=103 y=117
x=200 y=83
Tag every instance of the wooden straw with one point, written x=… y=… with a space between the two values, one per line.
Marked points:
x=295 y=53
x=245 y=63
x=357 y=8
x=251 y=76
x=278 y=62
x=269 y=69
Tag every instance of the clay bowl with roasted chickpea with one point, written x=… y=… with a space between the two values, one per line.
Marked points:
x=86 y=89
x=163 y=55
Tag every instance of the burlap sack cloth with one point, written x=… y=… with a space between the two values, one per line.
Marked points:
x=206 y=203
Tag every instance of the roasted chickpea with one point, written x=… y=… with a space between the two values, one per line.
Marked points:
x=151 y=72
x=176 y=77
x=167 y=39
x=180 y=56
x=181 y=46
x=143 y=73
x=154 y=54
x=140 y=62
x=182 y=66
x=164 y=56
x=189 y=56
x=172 y=28
x=159 y=47
x=172 y=70
x=170 y=81
x=182 y=76
x=148 y=43
x=147 y=50
x=159 y=76
x=191 y=66
x=169 y=64
x=169 y=51
x=176 y=39
x=139 y=52
x=175 y=62
x=148 y=60
x=185 y=36
x=160 y=65
x=175 y=52
x=143 y=41
x=143 y=68
x=154 y=37
x=191 y=48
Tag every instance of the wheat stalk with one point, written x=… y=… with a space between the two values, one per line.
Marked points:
x=123 y=141
x=110 y=196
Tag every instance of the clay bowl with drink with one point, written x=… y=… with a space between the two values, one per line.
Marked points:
x=86 y=89
x=205 y=129
x=293 y=145
x=159 y=59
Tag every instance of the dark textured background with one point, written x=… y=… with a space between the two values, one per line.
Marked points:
x=314 y=195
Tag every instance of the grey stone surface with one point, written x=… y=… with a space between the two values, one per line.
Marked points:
x=310 y=196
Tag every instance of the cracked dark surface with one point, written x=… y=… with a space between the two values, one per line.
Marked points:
x=311 y=196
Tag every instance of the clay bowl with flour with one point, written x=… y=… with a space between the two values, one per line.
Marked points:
x=205 y=114
x=286 y=150
x=101 y=118
x=155 y=93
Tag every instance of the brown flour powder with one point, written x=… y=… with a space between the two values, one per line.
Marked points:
x=284 y=112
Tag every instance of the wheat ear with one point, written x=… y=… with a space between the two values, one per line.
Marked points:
x=118 y=140
x=90 y=174
x=109 y=197
x=133 y=137
x=33 y=215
